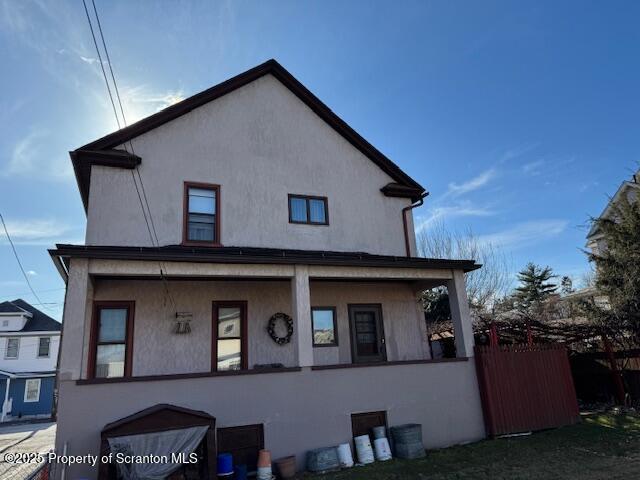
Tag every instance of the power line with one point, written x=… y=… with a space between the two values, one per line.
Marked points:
x=101 y=64
x=148 y=221
x=15 y=254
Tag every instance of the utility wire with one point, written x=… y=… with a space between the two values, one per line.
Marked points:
x=15 y=254
x=101 y=64
x=151 y=229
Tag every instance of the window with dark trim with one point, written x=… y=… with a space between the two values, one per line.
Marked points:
x=111 y=340
x=229 y=336
x=308 y=210
x=201 y=213
x=12 y=348
x=325 y=331
x=44 y=345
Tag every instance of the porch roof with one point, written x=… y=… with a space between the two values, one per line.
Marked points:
x=253 y=255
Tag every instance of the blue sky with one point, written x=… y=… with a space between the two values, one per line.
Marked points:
x=519 y=117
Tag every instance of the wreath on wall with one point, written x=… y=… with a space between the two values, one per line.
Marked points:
x=273 y=322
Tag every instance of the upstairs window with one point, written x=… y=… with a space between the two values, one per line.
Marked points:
x=13 y=345
x=44 y=343
x=309 y=210
x=202 y=219
x=112 y=340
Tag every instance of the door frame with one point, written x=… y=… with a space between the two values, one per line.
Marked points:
x=382 y=344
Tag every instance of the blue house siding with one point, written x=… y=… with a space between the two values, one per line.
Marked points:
x=16 y=391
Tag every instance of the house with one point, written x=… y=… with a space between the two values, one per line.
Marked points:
x=250 y=268
x=29 y=342
x=628 y=190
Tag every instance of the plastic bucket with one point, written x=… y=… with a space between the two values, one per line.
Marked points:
x=240 y=472
x=345 y=456
x=225 y=464
x=383 y=451
x=264 y=473
x=379 y=432
x=287 y=467
x=364 y=452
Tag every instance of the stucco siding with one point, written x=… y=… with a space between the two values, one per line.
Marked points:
x=443 y=397
x=157 y=350
x=259 y=143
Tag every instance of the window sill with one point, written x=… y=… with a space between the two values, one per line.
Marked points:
x=193 y=243
x=186 y=376
x=387 y=364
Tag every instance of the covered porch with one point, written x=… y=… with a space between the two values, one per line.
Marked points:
x=337 y=316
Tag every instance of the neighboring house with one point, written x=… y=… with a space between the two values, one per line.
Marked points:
x=29 y=342
x=629 y=190
x=265 y=206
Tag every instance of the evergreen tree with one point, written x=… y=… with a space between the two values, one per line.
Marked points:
x=618 y=274
x=534 y=287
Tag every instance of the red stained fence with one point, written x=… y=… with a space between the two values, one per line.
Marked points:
x=525 y=388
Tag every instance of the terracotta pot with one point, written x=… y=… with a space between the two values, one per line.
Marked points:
x=264 y=458
x=287 y=467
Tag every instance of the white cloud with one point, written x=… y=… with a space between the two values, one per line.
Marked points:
x=464 y=209
x=525 y=233
x=37 y=232
x=457 y=189
x=29 y=157
x=533 y=168
x=143 y=100
x=32 y=273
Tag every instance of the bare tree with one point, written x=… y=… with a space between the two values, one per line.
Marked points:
x=485 y=285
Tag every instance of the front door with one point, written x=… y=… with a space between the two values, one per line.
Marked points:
x=367 y=334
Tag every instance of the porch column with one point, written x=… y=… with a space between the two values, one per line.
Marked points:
x=460 y=315
x=5 y=404
x=301 y=307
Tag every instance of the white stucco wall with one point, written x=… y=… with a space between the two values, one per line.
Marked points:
x=157 y=350
x=259 y=143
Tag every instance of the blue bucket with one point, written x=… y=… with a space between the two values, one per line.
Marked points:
x=225 y=464
x=241 y=472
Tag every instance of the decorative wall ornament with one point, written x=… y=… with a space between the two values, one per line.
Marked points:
x=271 y=328
x=183 y=323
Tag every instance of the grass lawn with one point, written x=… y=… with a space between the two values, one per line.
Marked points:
x=601 y=447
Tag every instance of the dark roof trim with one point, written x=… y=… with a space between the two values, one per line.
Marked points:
x=83 y=160
x=402 y=191
x=269 y=67
x=252 y=255
x=199 y=417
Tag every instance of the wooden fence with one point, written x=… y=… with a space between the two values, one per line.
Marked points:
x=525 y=388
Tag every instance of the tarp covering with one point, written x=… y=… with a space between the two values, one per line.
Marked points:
x=164 y=447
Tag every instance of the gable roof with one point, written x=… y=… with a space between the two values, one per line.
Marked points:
x=103 y=150
x=38 y=321
x=619 y=195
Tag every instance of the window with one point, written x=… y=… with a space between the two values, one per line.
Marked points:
x=32 y=390
x=112 y=340
x=13 y=345
x=5 y=323
x=202 y=219
x=44 y=344
x=325 y=333
x=309 y=210
x=229 y=348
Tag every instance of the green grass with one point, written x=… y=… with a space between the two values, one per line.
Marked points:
x=601 y=447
